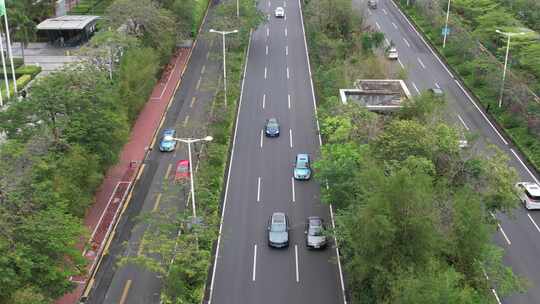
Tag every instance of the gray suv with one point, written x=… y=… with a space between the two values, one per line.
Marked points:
x=315 y=233
x=278 y=230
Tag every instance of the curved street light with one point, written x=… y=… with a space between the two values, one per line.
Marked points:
x=506 y=60
x=223 y=33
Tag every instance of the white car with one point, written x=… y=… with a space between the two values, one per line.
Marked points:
x=392 y=53
x=529 y=194
x=280 y=12
x=372 y=4
x=463 y=143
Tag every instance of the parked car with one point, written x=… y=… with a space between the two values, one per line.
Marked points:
x=315 y=233
x=392 y=53
x=302 y=168
x=166 y=144
x=280 y=12
x=271 y=127
x=278 y=230
x=372 y=4
x=529 y=194
x=182 y=171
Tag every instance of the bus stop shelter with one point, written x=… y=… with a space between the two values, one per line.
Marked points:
x=68 y=30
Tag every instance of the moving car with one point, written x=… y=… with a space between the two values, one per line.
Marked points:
x=437 y=92
x=167 y=145
x=280 y=12
x=278 y=230
x=302 y=169
x=463 y=143
x=372 y=4
x=315 y=233
x=182 y=171
x=271 y=127
x=529 y=194
x=392 y=53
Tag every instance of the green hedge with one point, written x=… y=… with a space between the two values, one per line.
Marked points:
x=32 y=70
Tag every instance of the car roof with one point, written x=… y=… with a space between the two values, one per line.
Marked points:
x=532 y=188
x=279 y=7
x=436 y=90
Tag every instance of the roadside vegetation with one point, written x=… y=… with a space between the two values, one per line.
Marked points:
x=177 y=247
x=477 y=53
x=413 y=210
x=64 y=136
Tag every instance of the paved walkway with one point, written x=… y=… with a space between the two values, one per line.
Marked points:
x=112 y=194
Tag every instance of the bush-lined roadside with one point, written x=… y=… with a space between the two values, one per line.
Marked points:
x=412 y=209
x=184 y=279
x=63 y=137
x=481 y=72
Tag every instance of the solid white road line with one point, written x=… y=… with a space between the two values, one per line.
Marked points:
x=284 y=4
x=482 y=113
x=496 y=296
x=414 y=86
x=406 y=42
x=422 y=38
x=384 y=11
x=264 y=101
x=296 y=258
x=265 y=72
x=285 y=32
x=268 y=3
x=266 y=49
x=401 y=64
x=387 y=41
x=504 y=234
x=421 y=63
x=259 y=189
x=523 y=164
x=254 y=262
x=289 y=100
x=286 y=50
x=343 y=294
x=377 y=24
x=534 y=223
x=437 y=85
x=212 y=281
x=463 y=122
x=267 y=32
x=395 y=26
x=288 y=73
x=293 y=193
x=290 y=137
x=203 y=69
x=262 y=138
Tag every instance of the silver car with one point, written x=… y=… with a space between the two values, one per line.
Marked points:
x=278 y=230
x=315 y=233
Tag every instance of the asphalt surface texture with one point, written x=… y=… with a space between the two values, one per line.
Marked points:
x=156 y=190
x=276 y=84
x=517 y=235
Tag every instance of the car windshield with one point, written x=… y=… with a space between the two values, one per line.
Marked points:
x=533 y=197
x=302 y=164
x=272 y=124
x=315 y=230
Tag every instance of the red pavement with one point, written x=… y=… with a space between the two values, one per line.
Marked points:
x=111 y=195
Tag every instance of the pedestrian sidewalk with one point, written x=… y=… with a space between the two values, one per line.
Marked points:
x=113 y=195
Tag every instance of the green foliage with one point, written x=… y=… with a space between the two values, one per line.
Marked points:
x=138 y=71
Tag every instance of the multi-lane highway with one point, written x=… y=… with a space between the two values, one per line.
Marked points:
x=519 y=236
x=277 y=83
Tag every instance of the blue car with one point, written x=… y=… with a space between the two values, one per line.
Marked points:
x=302 y=170
x=167 y=145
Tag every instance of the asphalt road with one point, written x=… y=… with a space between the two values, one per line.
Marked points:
x=277 y=84
x=519 y=235
x=155 y=189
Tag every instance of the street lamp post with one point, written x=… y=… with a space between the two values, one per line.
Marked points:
x=223 y=33
x=189 y=141
x=506 y=60
x=446 y=24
